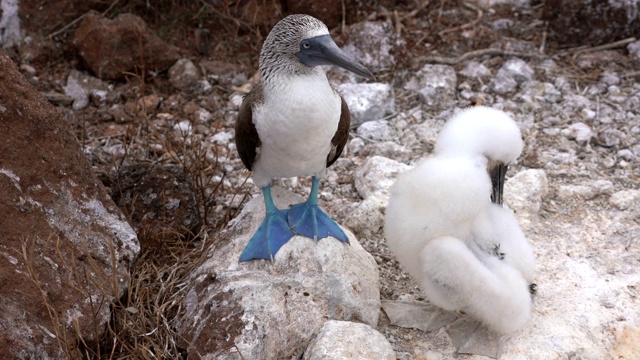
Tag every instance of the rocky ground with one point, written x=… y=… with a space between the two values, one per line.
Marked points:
x=171 y=133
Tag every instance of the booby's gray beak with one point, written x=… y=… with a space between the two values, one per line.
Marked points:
x=322 y=50
x=497 y=172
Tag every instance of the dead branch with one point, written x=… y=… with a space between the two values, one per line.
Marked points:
x=64 y=28
x=608 y=46
x=481 y=52
x=467 y=25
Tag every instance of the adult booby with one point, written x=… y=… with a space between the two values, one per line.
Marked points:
x=447 y=228
x=293 y=124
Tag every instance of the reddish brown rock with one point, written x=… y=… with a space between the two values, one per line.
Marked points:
x=591 y=22
x=65 y=248
x=125 y=44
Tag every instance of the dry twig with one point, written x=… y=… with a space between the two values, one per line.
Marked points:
x=608 y=46
x=64 y=28
x=481 y=52
x=467 y=25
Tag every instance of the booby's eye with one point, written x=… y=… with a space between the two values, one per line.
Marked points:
x=305 y=45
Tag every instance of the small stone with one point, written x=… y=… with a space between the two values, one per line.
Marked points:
x=148 y=104
x=355 y=145
x=610 y=78
x=184 y=127
x=388 y=149
x=502 y=24
x=183 y=74
x=81 y=86
x=202 y=116
x=634 y=50
x=368 y=101
x=370 y=44
x=28 y=69
x=503 y=83
x=367 y=219
x=513 y=73
x=626 y=154
x=377 y=174
x=624 y=199
x=588 y=114
x=474 y=69
x=579 y=131
x=525 y=191
x=349 y=340
x=576 y=191
x=378 y=130
x=602 y=187
x=435 y=84
x=610 y=137
x=190 y=107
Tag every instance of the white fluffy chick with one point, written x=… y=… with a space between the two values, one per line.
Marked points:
x=445 y=224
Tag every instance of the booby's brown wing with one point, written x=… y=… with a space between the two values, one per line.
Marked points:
x=342 y=134
x=247 y=139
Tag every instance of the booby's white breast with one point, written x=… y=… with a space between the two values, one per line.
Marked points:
x=296 y=123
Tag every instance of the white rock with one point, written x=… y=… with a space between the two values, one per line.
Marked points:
x=626 y=154
x=349 y=340
x=624 y=199
x=503 y=83
x=510 y=75
x=368 y=101
x=81 y=86
x=579 y=131
x=183 y=74
x=370 y=44
x=502 y=24
x=388 y=149
x=377 y=174
x=435 y=84
x=203 y=116
x=634 y=50
x=184 y=127
x=10 y=33
x=474 y=69
x=486 y=4
x=354 y=146
x=367 y=219
x=525 y=192
x=267 y=310
x=610 y=78
x=378 y=130
x=576 y=191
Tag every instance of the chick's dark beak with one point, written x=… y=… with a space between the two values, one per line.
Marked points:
x=497 y=172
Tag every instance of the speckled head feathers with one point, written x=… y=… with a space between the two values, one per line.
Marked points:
x=278 y=50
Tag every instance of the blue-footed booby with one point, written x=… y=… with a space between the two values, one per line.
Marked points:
x=447 y=227
x=294 y=124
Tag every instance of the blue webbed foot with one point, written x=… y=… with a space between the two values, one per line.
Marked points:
x=309 y=220
x=271 y=235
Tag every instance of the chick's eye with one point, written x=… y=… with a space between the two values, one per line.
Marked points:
x=306 y=45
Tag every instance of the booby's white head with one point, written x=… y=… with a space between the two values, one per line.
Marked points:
x=297 y=44
x=481 y=130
